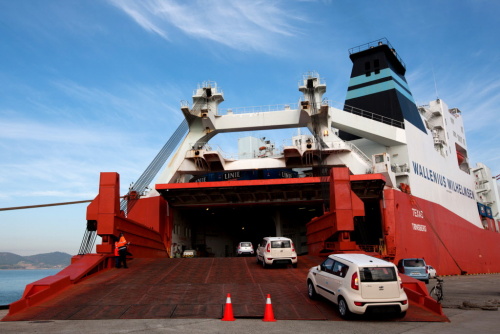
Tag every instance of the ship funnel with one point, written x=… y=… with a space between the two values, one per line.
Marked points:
x=378 y=84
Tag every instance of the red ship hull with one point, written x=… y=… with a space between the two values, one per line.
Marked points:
x=444 y=239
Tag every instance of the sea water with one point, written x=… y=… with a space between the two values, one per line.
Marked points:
x=13 y=282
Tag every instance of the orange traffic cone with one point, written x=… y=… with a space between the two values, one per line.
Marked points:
x=228 y=310
x=268 y=312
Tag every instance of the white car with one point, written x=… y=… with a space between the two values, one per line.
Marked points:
x=276 y=250
x=358 y=284
x=189 y=253
x=432 y=271
x=245 y=248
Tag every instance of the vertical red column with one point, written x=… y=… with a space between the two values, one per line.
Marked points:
x=388 y=223
x=109 y=202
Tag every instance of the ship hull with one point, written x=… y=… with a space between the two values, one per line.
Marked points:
x=446 y=241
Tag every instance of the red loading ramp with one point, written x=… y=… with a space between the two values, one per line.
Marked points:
x=193 y=288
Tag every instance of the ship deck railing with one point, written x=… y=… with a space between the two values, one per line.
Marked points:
x=258 y=109
x=376 y=43
x=370 y=115
x=294 y=106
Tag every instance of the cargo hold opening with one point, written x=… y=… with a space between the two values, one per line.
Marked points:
x=216 y=231
x=213 y=217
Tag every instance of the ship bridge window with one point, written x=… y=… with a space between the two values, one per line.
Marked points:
x=376 y=67
x=367 y=69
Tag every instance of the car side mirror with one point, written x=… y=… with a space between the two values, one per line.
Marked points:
x=319 y=267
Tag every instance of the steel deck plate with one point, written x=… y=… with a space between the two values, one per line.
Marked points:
x=194 y=288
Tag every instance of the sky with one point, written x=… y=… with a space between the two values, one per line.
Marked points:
x=96 y=86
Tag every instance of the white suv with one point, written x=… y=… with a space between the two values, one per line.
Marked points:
x=358 y=283
x=276 y=250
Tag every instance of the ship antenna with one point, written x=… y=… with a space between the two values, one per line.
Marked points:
x=435 y=83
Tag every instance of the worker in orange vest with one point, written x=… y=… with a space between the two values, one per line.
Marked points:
x=122 y=238
x=121 y=252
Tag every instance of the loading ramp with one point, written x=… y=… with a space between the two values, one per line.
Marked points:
x=193 y=288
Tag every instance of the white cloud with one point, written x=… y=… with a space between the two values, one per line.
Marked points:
x=30 y=130
x=243 y=25
x=123 y=103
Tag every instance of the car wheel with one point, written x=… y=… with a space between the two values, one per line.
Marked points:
x=264 y=265
x=344 y=309
x=295 y=265
x=311 y=292
x=426 y=281
x=258 y=261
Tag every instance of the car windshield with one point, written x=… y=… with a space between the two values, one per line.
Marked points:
x=377 y=274
x=414 y=263
x=280 y=244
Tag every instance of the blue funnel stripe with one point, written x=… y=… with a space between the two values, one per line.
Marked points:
x=377 y=88
x=386 y=72
x=377 y=83
x=401 y=81
x=371 y=82
x=363 y=79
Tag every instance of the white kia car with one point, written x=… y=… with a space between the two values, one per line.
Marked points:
x=245 y=248
x=358 y=284
x=276 y=250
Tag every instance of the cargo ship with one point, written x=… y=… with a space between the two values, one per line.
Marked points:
x=378 y=175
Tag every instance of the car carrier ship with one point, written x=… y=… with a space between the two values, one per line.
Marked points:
x=378 y=174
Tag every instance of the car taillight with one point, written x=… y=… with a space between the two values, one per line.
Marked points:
x=400 y=282
x=354 y=281
x=426 y=270
x=404 y=302
x=293 y=247
x=268 y=248
x=359 y=303
x=239 y=246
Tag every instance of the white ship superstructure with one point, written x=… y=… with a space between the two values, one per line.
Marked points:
x=378 y=174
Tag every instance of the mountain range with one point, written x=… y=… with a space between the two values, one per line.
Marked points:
x=38 y=261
